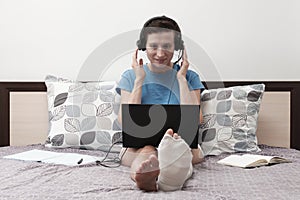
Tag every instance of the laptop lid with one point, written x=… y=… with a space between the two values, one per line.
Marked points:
x=145 y=124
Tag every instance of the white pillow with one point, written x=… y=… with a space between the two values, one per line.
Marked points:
x=230 y=119
x=82 y=114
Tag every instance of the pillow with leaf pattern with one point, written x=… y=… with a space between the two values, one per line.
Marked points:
x=82 y=114
x=230 y=119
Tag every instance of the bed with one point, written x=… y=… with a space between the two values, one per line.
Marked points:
x=278 y=134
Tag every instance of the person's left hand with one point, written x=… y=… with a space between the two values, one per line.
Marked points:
x=181 y=74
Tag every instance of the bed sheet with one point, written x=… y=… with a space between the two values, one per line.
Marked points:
x=33 y=180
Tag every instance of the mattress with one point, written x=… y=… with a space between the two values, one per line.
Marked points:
x=34 y=180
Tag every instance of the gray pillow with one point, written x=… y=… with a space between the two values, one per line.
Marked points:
x=230 y=119
x=82 y=114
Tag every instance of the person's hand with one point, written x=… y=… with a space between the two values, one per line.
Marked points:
x=181 y=74
x=138 y=67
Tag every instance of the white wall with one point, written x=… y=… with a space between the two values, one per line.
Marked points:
x=246 y=39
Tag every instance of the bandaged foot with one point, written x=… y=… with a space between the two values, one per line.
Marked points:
x=175 y=162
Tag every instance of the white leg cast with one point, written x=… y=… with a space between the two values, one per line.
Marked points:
x=175 y=163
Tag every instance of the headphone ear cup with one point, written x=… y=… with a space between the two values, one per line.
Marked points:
x=181 y=46
x=138 y=44
x=179 y=43
x=141 y=45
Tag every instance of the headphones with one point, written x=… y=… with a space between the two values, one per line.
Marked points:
x=160 y=22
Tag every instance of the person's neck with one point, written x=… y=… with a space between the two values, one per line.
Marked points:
x=155 y=69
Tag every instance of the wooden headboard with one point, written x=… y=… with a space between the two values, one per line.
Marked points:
x=278 y=118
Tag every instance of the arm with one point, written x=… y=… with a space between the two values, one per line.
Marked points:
x=186 y=96
x=130 y=98
x=135 y=96
x=195 y=99
x=189 y=97
x=197 y=153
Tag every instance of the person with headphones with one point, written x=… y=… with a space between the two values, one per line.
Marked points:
x=161 y=82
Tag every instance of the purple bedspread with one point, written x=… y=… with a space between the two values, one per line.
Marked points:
x=33 y=180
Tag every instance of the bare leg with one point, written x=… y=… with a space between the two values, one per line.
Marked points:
x=144 y=166
x=147 y=173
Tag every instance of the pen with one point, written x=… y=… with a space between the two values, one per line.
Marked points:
x=80 y=161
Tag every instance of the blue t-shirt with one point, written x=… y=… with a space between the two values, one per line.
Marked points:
x=159 y=88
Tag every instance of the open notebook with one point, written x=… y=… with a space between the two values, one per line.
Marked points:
x=251 y=160
x=70 y=159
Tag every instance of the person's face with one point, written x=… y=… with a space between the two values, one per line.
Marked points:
x=160 y=48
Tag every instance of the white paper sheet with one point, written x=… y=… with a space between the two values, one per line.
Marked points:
x=70 y=159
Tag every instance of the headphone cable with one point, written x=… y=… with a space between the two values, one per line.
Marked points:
x=116 y=161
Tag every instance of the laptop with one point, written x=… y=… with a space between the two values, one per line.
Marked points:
x=146 y=124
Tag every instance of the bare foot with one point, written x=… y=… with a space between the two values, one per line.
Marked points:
x=147 y=173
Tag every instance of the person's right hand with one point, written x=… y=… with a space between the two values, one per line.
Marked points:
x=138 y=67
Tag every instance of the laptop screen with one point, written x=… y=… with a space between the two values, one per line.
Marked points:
x=145 y=124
